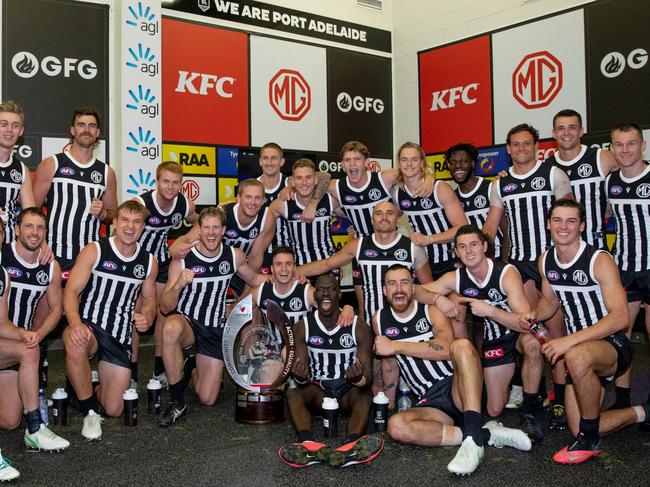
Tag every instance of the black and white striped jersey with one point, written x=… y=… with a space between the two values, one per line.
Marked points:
x=4 y=281
x=70 y=226
x=159 y=223
x=588 y=186
x=427 y=216
x=630 y=202
x=374 y=260
x=281 y=238
x=330 y=352
x=311 y=241
x=476 y=205
x=295 y=302
x=419 y=373
x=576 y=287
x=359 y=202
x=204 y=299
x=490 y=290
x=12 y=174
x=108 y=300
x=526 y=199
x=239 y=236
x=29 y=282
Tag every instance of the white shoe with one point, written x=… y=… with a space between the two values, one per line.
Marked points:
x=516 y=399
x=7 y=472
x=501 y=436
x=467 y=459
x=162 y=378
x=92 y=428
x=45 y=439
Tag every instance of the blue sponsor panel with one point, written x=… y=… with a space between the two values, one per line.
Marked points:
x=491 y=161
x=227 y=158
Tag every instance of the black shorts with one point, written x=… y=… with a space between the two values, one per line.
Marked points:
x=528 y=270
x=439 y=397
x=335 y=388
x=207 y=339
x=163 y=271
x=637 y=285
x=66 y=266
x=624 y=355
x=357 y=275
x=501 y=351
x=109 y=349
x=439 y=269
x=237 y=285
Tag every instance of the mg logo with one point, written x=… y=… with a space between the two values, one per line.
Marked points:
x=295 y=304
x=289 y=95
x=643 y=191
x=579 y=277
x=537 y=80
x=538 y=183
x=584 y=171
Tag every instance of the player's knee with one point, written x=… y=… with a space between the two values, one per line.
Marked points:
x=461 y=347
x=398 y=428
x=531 y=347
x=578 y=362
x=113 y=409
x=171 y=330
x=9 y=422
x=30 y=356
x=495 y=408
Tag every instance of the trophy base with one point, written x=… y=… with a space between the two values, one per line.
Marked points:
x=259 y=408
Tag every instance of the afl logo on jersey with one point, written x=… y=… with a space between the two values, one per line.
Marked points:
x=422 y=325
x=346 y=340
x=643 y=191
x=553 y=275
x=471 y=292
x=16 y=176
x=391 y=332
x=139 y=271
x=96 y=177
x=509 y=188
x=67 y=171
x=296 y=216
x=42 y=278
x=198 y=270
x=109 y=265
x=153 y=220
x=374 y=194
x=295 y=304
x=426 y=203
x=615 y=190
x=584 y=171
x=495 y=295
x=371 y=253
x=538 y=183
x=15 y=273
x=405 y=204
x=315 y=340
x=480 y=201
x=401 y=254
x=224 y=268
x=232 y=234
x=579 y=277
x=253 y=233
x=350 y=198
x=176 y=217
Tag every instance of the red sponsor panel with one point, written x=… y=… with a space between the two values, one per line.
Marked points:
x=204 y=83
x=546 y=149
x=455 y=97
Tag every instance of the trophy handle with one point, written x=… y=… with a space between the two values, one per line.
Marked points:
x=280 y=320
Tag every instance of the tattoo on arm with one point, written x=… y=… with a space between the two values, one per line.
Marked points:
x=435 y=347
x=321 y=188
x=434 y=331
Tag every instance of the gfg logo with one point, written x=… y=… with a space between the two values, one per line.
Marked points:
x=346 y=102
x=613 y=63
x=289 y=95
x=222 y=85
x=330 y=166
x=26 y=65
x=444 y=99
x=537 y=80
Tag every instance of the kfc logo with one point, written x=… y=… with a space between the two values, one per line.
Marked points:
x=289 y=95
x=537 y=80
x=201 y=84
x=444 y=99
x=494 y=353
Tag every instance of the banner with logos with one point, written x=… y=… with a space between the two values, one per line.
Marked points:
x=140 y=90
x=49 y=71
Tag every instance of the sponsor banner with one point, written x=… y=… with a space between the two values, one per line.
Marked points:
x=140 y=104
x=205 y=84
x=202 y=191
x=545 y=149
x=491 y=161
x=455 y=102
x=381 y=164
x=535 y=74
x=49 y=71
x=55 y=145
x=359 y=109
x=288 y=20
x=28 y=150
x=288 y=94
x=617 y=63
x=437 y=162
x=196 y=160
x=227 y=189
x=228 y=158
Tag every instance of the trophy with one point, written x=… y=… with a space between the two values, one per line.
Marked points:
x=258 y=353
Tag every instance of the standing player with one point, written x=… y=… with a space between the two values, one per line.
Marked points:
x=444 y=373
x=583 y=282
x=628 y=193
x=78 y=191
x=194 y=303
x=434 y=218
x=16 y=182
x=99 y=303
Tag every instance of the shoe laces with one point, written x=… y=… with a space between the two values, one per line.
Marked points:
x=46 y=432
x=94 y=418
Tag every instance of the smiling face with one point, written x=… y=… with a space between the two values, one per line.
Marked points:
x=567 y=132
x=251 y=199
x=31 y=231
x=471 y=250
x=327 y=295
x=522 y=148
x=565 y=225
x=169 y=184
x=282 y=267
x=385 y=217
x=410 y=162
x=11 y=128
x=211 y=232
x=271 y=161
x=355 y=166
x=399 y=289
x=128 y=226
x=627 y=147
x=85 y=131
x=461 y=166
x=304 y=180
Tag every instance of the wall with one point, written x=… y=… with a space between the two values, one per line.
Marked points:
x=422 y=24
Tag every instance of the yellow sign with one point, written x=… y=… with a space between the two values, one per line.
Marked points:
x=227 y=189
x=196 y=160
x=440 y=168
